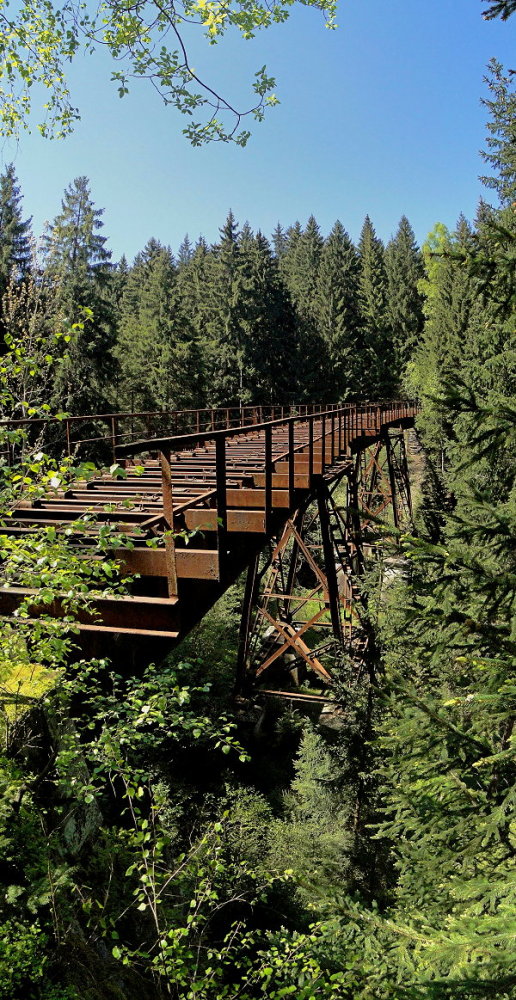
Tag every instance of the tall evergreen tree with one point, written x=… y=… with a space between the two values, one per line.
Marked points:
x=301 y=261
x=270 y=345
x=120 y=275
x=454 y=312
x=380 y=376
x=79 y=262
x=193 y=286
x=185 y=252
x=226 y=294
x=156 y=349
x=404 y=267
x=338 y=312
x=299 y=267
x=501 y=140
x=15 y=232
x=279 y=241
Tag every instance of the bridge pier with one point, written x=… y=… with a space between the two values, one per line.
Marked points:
x=303 y=609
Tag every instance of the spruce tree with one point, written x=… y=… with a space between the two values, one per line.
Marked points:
x=313 y=838
x=338 y=313
x=156 y=349
x=120 y=275
x=279 y=241
x=15 y=232
x=78 y=261
x=501 y=140
x=380 y=376
x=404 y=268
x=453 y=312
x=193 y=284
x=185 y=252
x=299 y=266
x=226 y=295
x=270 y=346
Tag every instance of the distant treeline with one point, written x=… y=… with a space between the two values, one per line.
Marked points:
x=246 y=320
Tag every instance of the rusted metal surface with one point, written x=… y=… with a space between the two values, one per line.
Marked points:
x=234 y=484
x=310 y=583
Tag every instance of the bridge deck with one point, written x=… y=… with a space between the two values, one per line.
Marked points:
x=232 y=488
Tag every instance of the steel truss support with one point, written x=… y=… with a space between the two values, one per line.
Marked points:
x=303 y=609
x=383 y=484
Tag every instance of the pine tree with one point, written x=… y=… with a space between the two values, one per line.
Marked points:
x=270 y=347
x=156 y=349
x=338 y=312
x=185 y=252
x=226 y=298
x=78 y=261
x=299 y=266
x=501 y=140
x=404 y=268
x=15 y=233
x=380 y=375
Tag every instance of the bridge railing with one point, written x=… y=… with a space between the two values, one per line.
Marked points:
x=99 y=434
x=330 y=432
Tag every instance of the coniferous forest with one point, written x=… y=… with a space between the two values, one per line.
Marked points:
x=155 y=843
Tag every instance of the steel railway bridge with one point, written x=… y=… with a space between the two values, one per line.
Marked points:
x=291 y=494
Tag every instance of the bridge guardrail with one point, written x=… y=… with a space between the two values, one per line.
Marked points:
x=125 y=425
x=332 y=431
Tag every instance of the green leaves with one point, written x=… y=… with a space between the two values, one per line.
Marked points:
x=36 y=44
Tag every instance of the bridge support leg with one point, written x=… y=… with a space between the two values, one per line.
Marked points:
x=399 y=479
x=296 y=623
x=246 y=624
x=330 y=559
x=304 y=611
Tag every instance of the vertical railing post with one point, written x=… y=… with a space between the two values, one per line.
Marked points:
x=114 y=435
x=268 y=479
x=168 y=514
x=222 y=505
x=332 y=437
x=310 y=448
x=291 y=464
x=68 y=439
x=323 y=442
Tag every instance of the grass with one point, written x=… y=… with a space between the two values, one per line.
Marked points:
x=22 y=685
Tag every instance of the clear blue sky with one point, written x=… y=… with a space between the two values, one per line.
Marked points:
x=382 y=116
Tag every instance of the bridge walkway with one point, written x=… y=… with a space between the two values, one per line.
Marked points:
x=193 y=510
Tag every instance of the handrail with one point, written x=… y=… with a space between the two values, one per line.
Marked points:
x=341 y=424
x=205 y=419
x=182 y=442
